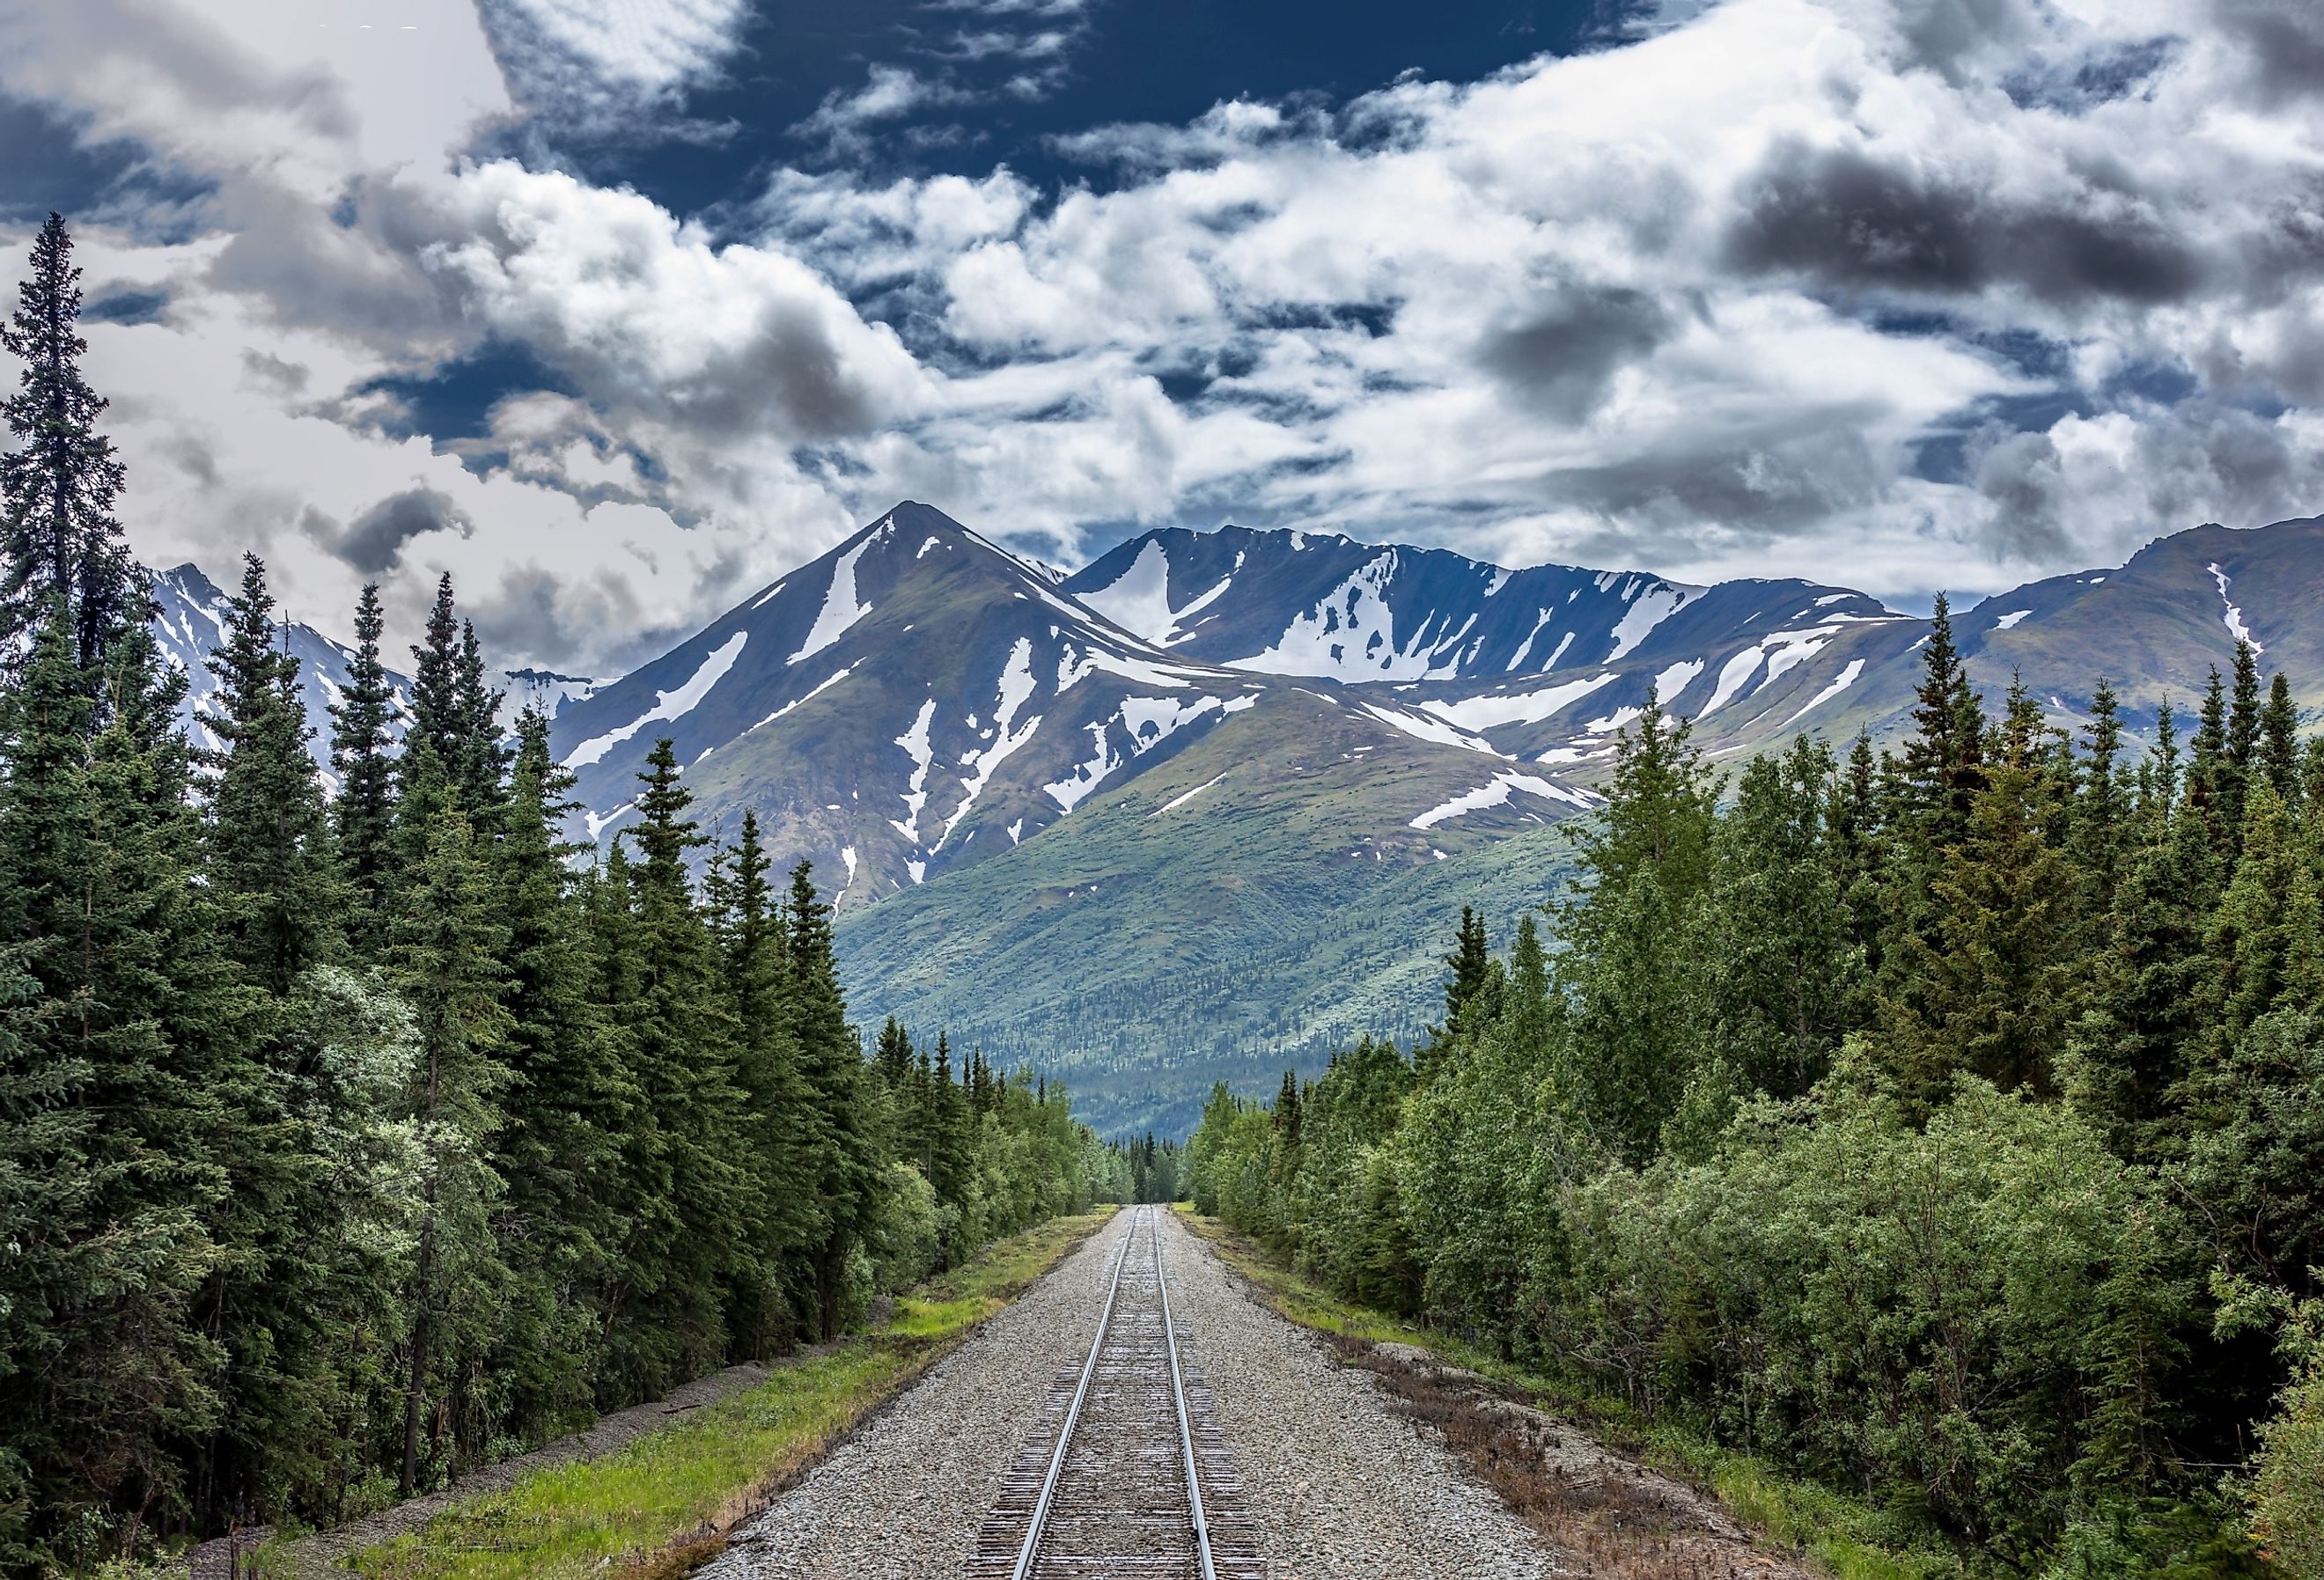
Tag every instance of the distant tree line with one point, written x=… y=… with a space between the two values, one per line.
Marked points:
x=1946 y=1125
x=347 y=1140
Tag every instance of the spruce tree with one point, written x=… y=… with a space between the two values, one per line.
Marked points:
x=131 y=1027
x=269 y=855
x=364 y=814
x=483 y=760
x=2100 y=806
x=2213 y=787
x=1986 y=988
x=566 y=1102
x=447 y=945
x=59 y=539
x=438 y=718
x=680 y=1045
x=1943 y=756
x=778 y=1123
x=2279 y=743
x=843 y=1161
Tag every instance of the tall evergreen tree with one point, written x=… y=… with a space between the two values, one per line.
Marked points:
x=564 y=1105
x=59 y=539
x=2279 y=741
x=97 y=866
x=779 y=1124
x=483 y=759
x=688 y=1231
x=447 y=945
x=438 y=717
x=842 y=1158
x=1987 y=989
x=1943 y=756
x=364 y=814
x=270 y=854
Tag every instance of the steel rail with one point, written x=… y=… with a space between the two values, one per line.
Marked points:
x=1186 y=1431
x=1073 y=1414
x=1034 y=1532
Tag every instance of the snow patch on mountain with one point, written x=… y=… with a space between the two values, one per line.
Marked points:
x=1496 y=793
x=840 y=610
x=1431 y=730
x=1015 y=687
x=2009 y=622
x=2234 y=617
x=1176 y=802
x=1148 y=722
x=1139 y=599
x=915 y=744
x=1847 y=677
x=1671 y=682
x=1483 y=713
x=1648 y=610
x=1351 y=635
x=672 y=705
x=822 y=686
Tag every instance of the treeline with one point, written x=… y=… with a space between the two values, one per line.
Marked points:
x=1947 y=1127
x=349 y=1139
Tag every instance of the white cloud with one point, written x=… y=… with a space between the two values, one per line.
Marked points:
x=1702 y=301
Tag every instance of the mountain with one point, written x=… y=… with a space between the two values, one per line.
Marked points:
x=918 y=700
x=1294 y=603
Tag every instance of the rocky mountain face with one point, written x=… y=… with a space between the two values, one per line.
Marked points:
x=1209 y=805
x=919 y=700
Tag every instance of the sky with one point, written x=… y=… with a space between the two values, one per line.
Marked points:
x=617 y=310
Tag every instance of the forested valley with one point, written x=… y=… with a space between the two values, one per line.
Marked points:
x=348 y=1141
x=1946 y=1126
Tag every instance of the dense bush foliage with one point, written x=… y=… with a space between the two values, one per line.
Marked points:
x=1946 y=1125
x=344 y=1142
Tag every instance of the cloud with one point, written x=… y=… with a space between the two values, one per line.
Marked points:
x=613 y=66
x=1701 y=300
x=373 y=542
x=1848 y=219
x=843 y=123
x=1563 y=355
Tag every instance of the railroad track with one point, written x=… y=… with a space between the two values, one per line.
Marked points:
x=1127 y=1475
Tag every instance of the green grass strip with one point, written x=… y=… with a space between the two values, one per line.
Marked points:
x=662 y=1502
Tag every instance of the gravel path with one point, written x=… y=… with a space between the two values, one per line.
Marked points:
x=1338 y=1483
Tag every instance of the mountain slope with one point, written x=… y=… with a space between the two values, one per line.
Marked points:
x=1258 y=900
x=1292 y=603
x=919 y=700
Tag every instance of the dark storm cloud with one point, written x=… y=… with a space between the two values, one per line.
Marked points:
x=372 y=544
x=2285 y=42
x=1761 y=489
x=2023 y=478
x=1563 y=356
x=1856 y=222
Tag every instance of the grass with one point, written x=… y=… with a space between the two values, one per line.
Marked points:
x=662 y=1504
x=1825 y=1530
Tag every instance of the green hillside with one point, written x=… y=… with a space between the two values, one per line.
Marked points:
x=1144 y=952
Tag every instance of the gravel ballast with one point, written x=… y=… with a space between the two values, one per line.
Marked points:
x=1336 y=1481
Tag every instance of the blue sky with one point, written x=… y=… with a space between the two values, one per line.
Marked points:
x=620 y=309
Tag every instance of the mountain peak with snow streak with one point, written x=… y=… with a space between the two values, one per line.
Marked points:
x=1296 y=603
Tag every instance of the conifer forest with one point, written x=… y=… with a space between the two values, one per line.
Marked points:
x=348 y=1141
x=1944 y=1124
